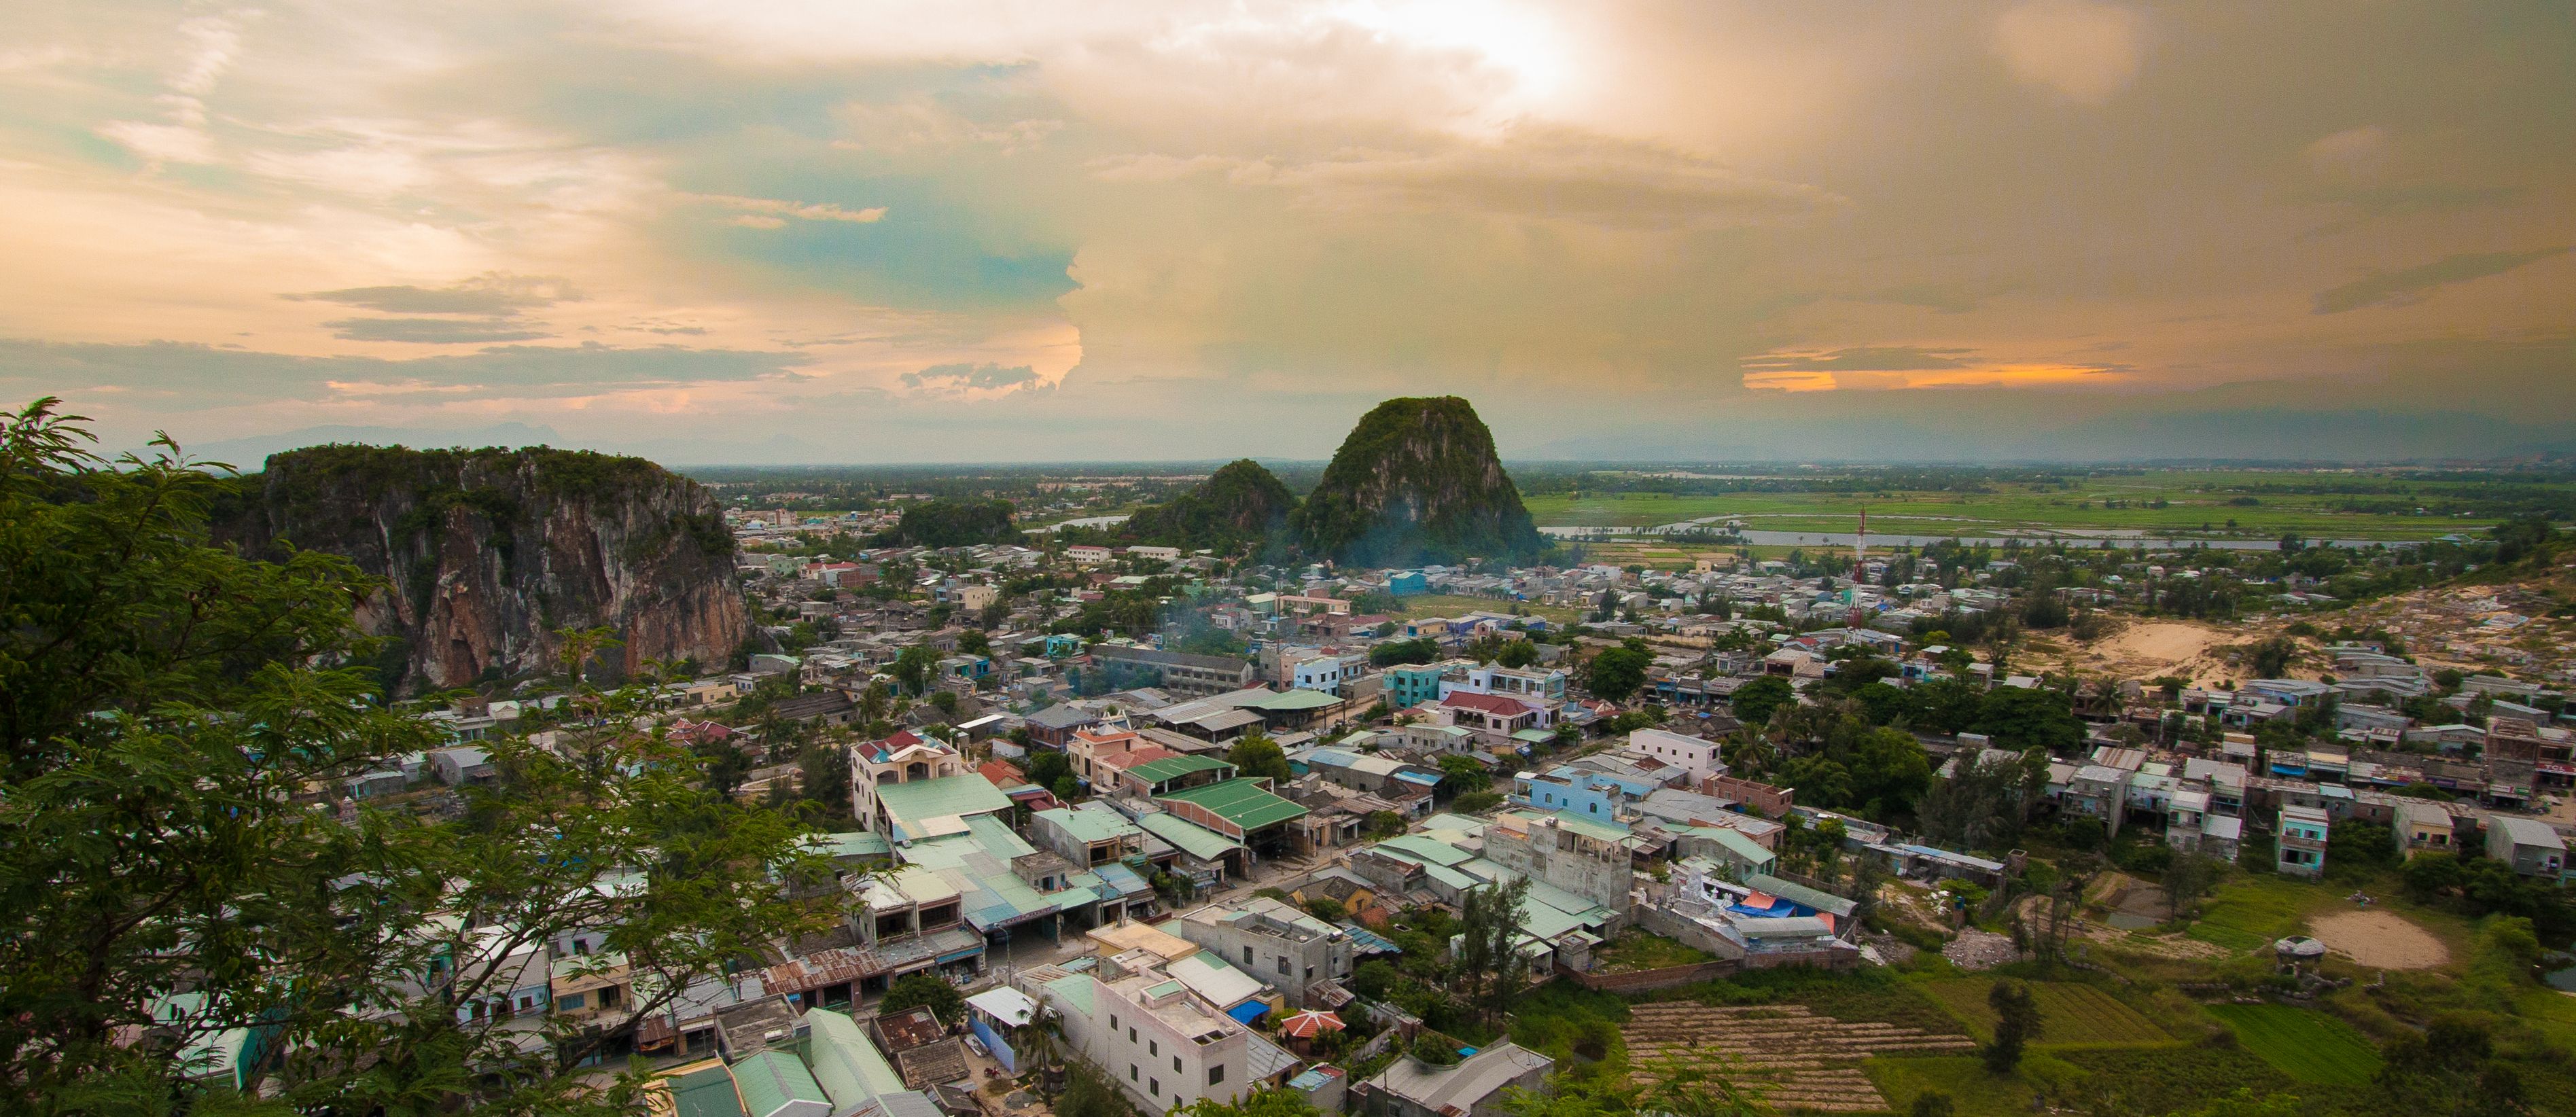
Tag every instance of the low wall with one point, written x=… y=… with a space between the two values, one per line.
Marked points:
x=1638 y=981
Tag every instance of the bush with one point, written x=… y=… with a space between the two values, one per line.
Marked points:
x=1433 y=1048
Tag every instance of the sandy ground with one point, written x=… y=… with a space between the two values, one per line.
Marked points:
x=2150 y=648
x=2380 y=940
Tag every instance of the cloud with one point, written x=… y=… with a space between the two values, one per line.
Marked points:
x=2085 y=50
x=1908 y=366
x=771 y=213
x=2409 y=285
x=189 y=376
x=491 y=294
x=1868 y=358
x=432 y=331
x=2351 y=153
x=211 y=44
x=975 y=378
x=1531 y=173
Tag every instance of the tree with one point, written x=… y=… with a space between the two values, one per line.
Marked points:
x=1462 y=774
x=1046 y=766
x=946 y=701
x=2016 y=1024
x=164 y=703
x=1932 y=1103
x=1394 y=653
x=1259 y=1103
x=1491 y=967
x=1616 y=673
x=1384 y=824
x=914 y=666
x=973 y=641
x=1517 y=654
x=924 y=989
x=1256 y=755
x=823 y=775
x=1754 y=701
x=2017 y=718
x=2272 y=657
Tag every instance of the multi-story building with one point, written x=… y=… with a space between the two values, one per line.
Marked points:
x=2299 y=842
x=1409 y=685
x=1696 y=755
x=1587 y=858
x=1162 y=1044
x=906 y=757
x=1177 y=672
x=1281 y=945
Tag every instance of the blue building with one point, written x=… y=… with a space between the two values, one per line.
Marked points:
x=1405 y=582
x=1578 y=791
x=1411 y=685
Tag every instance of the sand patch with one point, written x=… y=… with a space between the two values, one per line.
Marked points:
x=2380 y=940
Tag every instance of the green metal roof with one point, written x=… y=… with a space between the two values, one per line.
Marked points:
x=772 y=1079
x=1188 y=837
x=910 y=803
x=850 y=843
x=1244 y=803
x=1428 y=849
x=706 y=1093
x=1300 y=699
x=847 y=1065
x=1588 y=828
x=1736 y=843
x=1174 y=767
x=1076 y=990
x=1088 y=824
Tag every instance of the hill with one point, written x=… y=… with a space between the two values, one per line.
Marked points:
x=487 y=553
x=1416 y=481
x=1242 y=504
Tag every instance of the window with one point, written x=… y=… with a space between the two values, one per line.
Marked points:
x=1131 y=1033
x=1113 y=1021
x=1283 y=965
x=1176 y=1064
x=1216 y=1074
x=1131 y=1072
x=1247 y=955
x=1154 y=1086
x=1153 y=1048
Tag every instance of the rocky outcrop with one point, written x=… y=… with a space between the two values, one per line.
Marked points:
x=488 y=553
x=1416 y=481
x=1242 y=503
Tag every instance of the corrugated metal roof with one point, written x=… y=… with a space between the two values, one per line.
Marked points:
x=1244 y=803
x=1188 y=837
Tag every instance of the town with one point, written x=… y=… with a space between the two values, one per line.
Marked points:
x=1203 y=826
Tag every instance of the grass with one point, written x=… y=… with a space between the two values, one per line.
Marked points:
x=2193 y=498
x=2306 y=1045
x=2071 y=1015
x=1643 y=950
x=1972 y=1091
x=2254 y=908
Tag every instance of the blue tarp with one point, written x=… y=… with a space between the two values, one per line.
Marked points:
x=1248 y=1011
x=1370 y=941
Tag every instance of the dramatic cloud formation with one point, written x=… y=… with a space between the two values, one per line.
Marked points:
x=1007 y=229
x=2408 y=285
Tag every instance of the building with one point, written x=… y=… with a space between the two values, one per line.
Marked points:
x=2097 y=791
x=1243 y=810
x=2531 y=846
x=2420 y=826
x=1177 y=672
x=1277 y=943
x=1696 y=755
x=1579 y=855
x=1583 y=792
x=1165 y=1046
x=1410 y=685
x=906 y=757
x=2299 y=842
x=1087 y=835
x=1476 y=1087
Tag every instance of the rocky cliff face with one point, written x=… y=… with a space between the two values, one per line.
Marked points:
x=489 y=552
x=1240 y=503
x=1416 y=481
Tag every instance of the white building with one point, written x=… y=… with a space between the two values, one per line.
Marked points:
x=1162 y=1044
x=1698 y=755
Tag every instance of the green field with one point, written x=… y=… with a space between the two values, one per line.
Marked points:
x=2304 y=1044
x=2253 y=909
x=2070 y=1015
x=2194 y=501
x=1972 y=1091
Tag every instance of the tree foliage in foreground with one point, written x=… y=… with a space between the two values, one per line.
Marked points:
x=175 y=716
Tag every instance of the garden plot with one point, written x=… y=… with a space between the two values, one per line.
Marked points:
x=1802 y=1061
x=2069 y=1014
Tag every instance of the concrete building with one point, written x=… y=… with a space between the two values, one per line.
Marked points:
x=1277 y=943
x=2531 y=846
x=1410 y=685
x=2299 y=842
x=1695 y=755
x=1587 y=858
x=1177 y=672
x=1162 y=1044
x=2421 y=826
x=1475 y=1087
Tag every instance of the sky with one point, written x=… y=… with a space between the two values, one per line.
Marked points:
x=784 y=231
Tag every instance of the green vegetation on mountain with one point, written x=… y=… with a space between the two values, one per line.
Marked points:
x=486 y=553
x=957 y=523
x=1242 y=504
x=1416 y=481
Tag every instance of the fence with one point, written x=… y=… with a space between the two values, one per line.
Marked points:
x=1638 y=981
